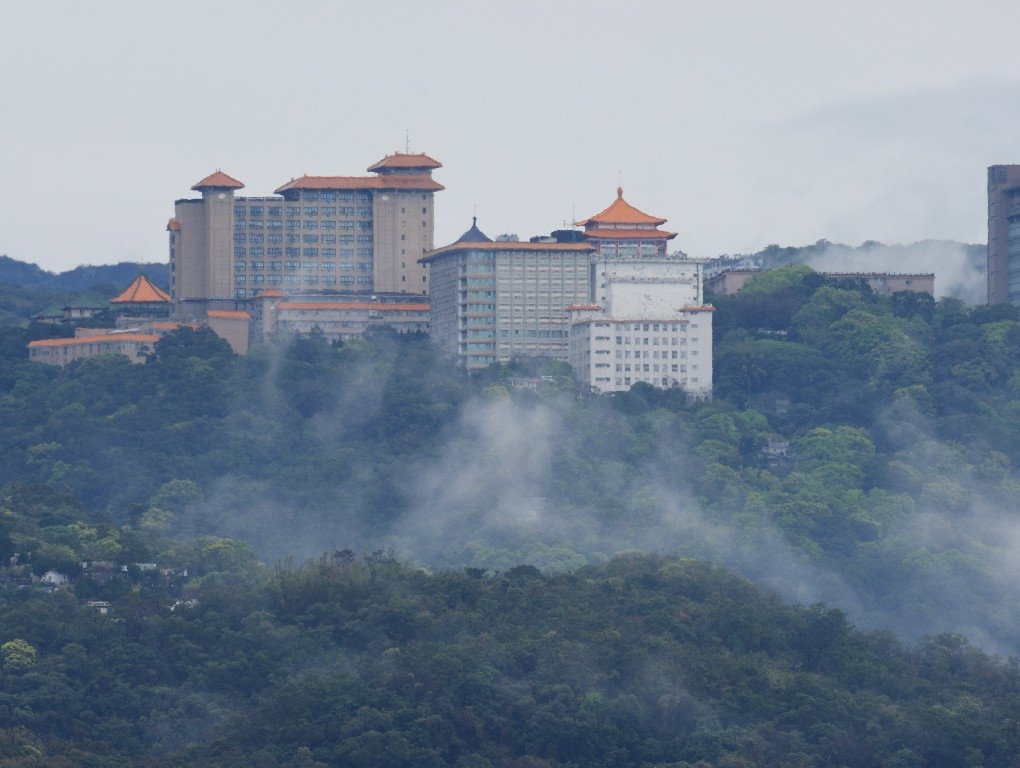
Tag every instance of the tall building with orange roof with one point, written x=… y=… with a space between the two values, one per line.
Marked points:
x=315 y=233
x=646 y=319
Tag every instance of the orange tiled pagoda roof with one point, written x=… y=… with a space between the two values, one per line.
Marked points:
x=621 y=212
x=173 y=226
x=218 y=180
x=405 y=161
x=143 y=291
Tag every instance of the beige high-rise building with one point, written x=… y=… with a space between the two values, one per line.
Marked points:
x=316 y=233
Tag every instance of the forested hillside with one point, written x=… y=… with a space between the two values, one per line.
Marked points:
x=859 y=451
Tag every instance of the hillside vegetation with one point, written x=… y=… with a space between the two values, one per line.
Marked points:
x=859 y=451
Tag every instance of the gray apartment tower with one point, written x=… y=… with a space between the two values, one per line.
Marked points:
x=1004 y=234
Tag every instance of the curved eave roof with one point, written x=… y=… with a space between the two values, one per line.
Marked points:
x=501 y=245
x=141 y=291
x=412 y=181
x=406 y=160
x=621 y=212
x=218 y=180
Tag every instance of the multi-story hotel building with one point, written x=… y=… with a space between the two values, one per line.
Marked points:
x=494 y=300
x=1004 y=234
x=317 y=233
x=645 y=319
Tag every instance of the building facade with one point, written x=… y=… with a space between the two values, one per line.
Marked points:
x=495 y=300
x=645 y=319
x=136 y=347
x=339 y=318
x=731 y=281
x=316 y=233
x=1004 y=234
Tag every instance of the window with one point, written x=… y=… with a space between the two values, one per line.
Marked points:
x=239 y=265
x=293 y=238
x=239 y=224
x=293 y=210
x=314 y=252
x=328 y=224
x=364 y=212
x=274 y=224
x=310 y=211
x=329 y=211
x=311 y=225
x=275 y=252
x=329 y=238
x=239 y=237
x=240 y=251
x=310 y=238
x=274 y=210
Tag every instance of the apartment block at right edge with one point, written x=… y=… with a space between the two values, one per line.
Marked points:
x=647 y=320
x=1004 y=234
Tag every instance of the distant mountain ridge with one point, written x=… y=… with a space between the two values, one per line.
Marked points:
x=25 y=275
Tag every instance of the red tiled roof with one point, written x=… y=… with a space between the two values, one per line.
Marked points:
x=411 y=181
x=228 y=313
x=141 y=291
x=621 y=212
x=142 y=338
x=503 y=245
x=218 y=180
x=583 y=307
x=173 y=226
x=271 y=293
x=406 y=160
x=629 y=234
x=409 y=307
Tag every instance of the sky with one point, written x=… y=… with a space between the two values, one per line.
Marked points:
x=743 y=123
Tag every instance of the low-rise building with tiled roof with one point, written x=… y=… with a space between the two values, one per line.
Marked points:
x=136 y=347
x=337 y=317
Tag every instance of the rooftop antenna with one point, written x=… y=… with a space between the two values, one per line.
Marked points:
x=407 y=140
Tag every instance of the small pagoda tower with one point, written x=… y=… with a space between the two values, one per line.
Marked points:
x=622 y=231
x=143 y=299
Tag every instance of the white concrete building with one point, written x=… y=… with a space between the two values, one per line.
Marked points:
x=647 y=320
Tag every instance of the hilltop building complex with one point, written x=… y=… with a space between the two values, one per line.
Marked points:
x=608 y=299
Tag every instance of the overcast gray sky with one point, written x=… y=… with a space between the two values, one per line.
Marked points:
x=744 y=123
